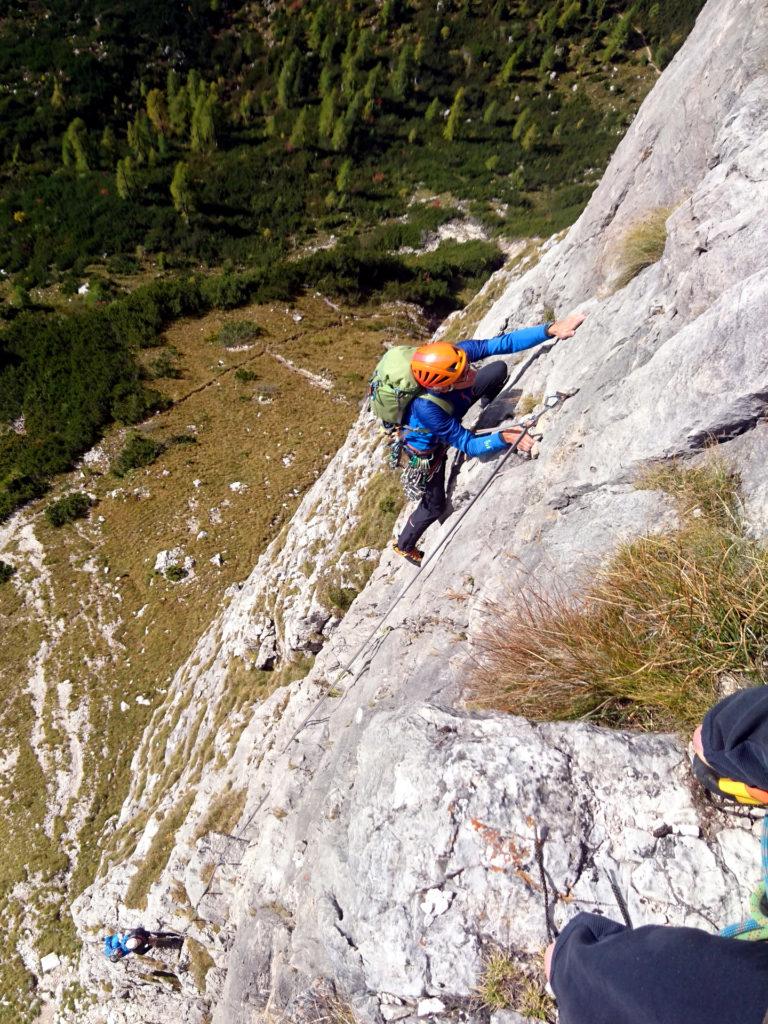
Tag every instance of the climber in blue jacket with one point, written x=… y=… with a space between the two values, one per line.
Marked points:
x=122 y=944
x=444 y=370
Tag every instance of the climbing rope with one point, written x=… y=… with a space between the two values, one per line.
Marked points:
x=346 y=669
x=755 y=927
x=619 y=897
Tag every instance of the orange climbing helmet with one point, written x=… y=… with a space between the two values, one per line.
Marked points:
x=438 y=365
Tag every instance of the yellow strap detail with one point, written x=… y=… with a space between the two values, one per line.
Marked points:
x=738 y=790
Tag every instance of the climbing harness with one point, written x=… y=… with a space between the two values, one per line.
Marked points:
x=755 y=927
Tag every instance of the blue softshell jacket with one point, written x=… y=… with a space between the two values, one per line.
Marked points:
x=432 y=427
x=112 y=943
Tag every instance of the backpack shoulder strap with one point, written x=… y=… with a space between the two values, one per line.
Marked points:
x=442 y=403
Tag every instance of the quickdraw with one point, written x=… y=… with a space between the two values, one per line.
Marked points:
x=415 y=476
x=416 y=468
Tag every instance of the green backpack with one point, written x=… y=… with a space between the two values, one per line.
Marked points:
x=393 y=386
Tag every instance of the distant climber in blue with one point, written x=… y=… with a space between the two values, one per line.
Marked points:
x=445 y=372
x=139 y=941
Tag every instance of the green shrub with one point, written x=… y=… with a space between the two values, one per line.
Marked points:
x=245 y=376
x=642 y=245
x=176 y=573
x=72 y=506
x=238 y=332
x=6 y=571
x=342 y=597
x=139 y=450
x=164 y=366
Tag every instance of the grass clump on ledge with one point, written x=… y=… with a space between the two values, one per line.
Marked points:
x=643 y=245
x=6 y=571
x=505 y=985
x=648 y=640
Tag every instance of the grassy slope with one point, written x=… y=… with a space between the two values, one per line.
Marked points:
x=85 y=594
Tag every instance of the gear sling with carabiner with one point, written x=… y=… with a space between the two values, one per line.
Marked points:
x=418 y=465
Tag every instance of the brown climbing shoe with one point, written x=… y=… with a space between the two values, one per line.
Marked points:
x=412 y=555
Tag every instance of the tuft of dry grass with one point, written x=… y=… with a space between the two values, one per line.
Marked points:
x=505 y=984
x=200 y=962
x=499 y=982
x=646 y=642
x=528 y=403
x=642 y=245
x=330 y=1008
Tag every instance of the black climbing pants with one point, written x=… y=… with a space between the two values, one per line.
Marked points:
x=488 y=383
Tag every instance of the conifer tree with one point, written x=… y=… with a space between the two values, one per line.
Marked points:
x=181 y=190
x=433 y=111
x=300 y=134
x=327 y=49
x=354 y=110
x=245 y=108
x=388 y=13
x=203 y=130
x=373 y=82
x=364 y=48
x=491 y=113
x=455 y=118
x=531 y=137
x=349 y=78
x=326 y=80
x=57 y=97
x=140 y=136
x=157 y=110
x=521 y=123
x=194 y=85
x=401 y=78
x=74 y=146
x=619 y=36
x=125 y=179
x=327 y=120
x=513 y=63
x=341 y=132
x=548 y=60
x=108 y=147
x=569 y=16
x=171 y=84
x=286 y=82
x=344 y=177
x=317 y=29
x=179 y=112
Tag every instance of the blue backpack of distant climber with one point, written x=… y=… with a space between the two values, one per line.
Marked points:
x=393 y=386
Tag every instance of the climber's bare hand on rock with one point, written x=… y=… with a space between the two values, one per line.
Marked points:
x=567 y=327
x=517 y=434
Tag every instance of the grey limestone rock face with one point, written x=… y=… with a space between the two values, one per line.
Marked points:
x=387 y=835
